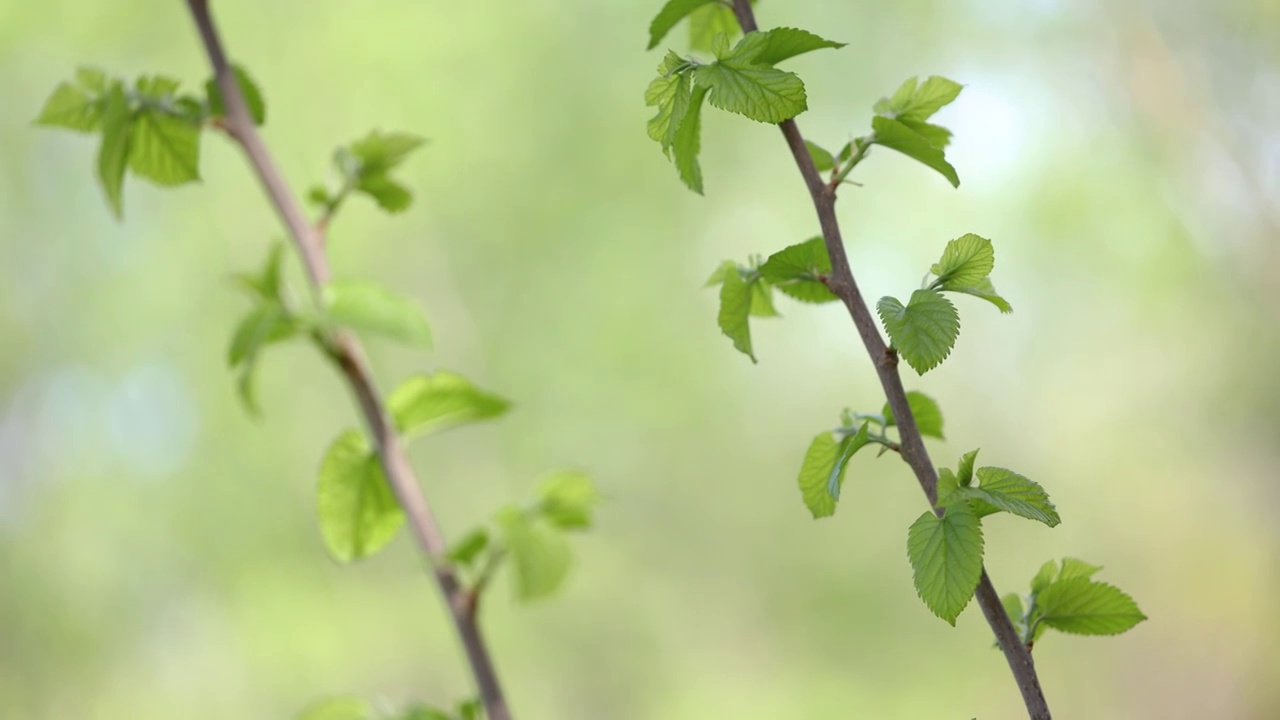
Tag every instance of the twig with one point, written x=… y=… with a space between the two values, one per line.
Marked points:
x=347 y=355
x=885 y=359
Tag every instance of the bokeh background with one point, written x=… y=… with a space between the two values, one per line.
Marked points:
x=159 y=555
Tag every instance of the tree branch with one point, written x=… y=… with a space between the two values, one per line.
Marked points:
x=347 y=355
x=885 y=359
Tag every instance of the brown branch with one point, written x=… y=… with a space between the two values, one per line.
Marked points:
x=348 y=356
x=885 y=359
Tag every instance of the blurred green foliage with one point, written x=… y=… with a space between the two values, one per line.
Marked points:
x=159 y=552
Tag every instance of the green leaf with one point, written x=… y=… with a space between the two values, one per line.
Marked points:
x=389 y=194
x=268 y=323
x=253 y=101
x=850 y=445
x=917 y=102
x=470 y=710
x=72 y=107
x=822 y=160
x=815 y=474
x=762 y=299
x=358 y=512
x=465 y=551
x=947 y=487
x=964 y=473
x=721 y=272
x=1000 y=489
x=784 y=43
x=710 y=20
x=367 y=306
x=431 y=403
x=1083 y=607
x=946 y=558
x=967 y=260
x=795 y=270
x=669 y=92
x=807 y=291
x=567 y=498
x=894 y=135
x=1073 y=568
x=267 y=284
x=687 y=143
x=1044 y=576
x=743 y=85
x=1012 y=603
x=379 y=152
x=113 y=155
x=540 y=556
x=735 y=308
x=670 y=14
x=937 y=136
x=985 y=290
x=924 y=331
x=164 y=148
x=926 y=412
x=340 y=708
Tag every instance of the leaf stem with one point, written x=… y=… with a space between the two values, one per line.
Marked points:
x=913 y=451
x=347 y=354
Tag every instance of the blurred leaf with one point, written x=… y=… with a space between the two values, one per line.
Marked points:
x=670 y=14
x=718 y=275
x=113 y=155
x=1013 y=608
x=567 y=498
x=710 y=20
x=389 y=194
x=422 y=712
x=924 y=331
x=380 y=152
x=1044 y=576
x=265 y=324
x=822 y=160
x=74 y=107
x=894 y=135
x=924 y=409
x=164 y=148
x=342 y=708
x=253 y=101
x=1083 y=607
x=762 y=299
x=370 y=307
x=741 y=84
x=735 y=307
x=967 y=260
x=358 y=512
x=965 y=472
x=540 y=555
x=470 y=710
x=268 y=283
x=946 y=559
x=1001 y=489
x=1073 y=568
x=465 y=551
x=431 y=403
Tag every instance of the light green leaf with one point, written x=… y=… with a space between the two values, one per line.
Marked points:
x=740 y=84
x=432 y=403
x=965 y=471
x=784 y=43
x=113 y=154
x=795 y=270
x=720 y=273
x=540 y=555
x=268 y=323
x=815 y=474
x=947 y=486
x=762 y=299
x=367 y=306
x=379 y=152
x=669 y=92
x=808 y=291
x=967 y=260
x=340 y=708
x=73 y=106
x=567 y=498
x=735 y=308
x=924 y=331
x=822 y=160
x=894 y=135
x=670 y=14
x=937 y=136
x=1083 y=607
x=1000 y=489
x=358 y=512
x=946 y=558
x=465 y=551
x=1073 y=568
x=253 y=101
x=1044 y=576
x=164 y=148
x=924 y=409
x=985 y=290
x=710 y=20
x=389 y=194
x=687 y=143
x=918 y=102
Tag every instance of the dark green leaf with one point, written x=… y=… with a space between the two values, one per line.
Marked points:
x=670 y=14
x=358 y=512
x=567 y=498
x=431 y=403
x=897 y=136
x=113 y=155
x=164 y=148
x=253 y=101
x=1087 y=608
x=540 y=556
x=923 y=331
x=926 y=412
x=946 y=559
x=370 y=307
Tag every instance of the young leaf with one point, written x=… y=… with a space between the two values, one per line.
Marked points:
x=567 y=498
x=370 y=307
x=743 y=85
x=1083 y=607
x=358 y=513
x=341 y=708
x=784 y=43
x=669 y=92
x=76 y=106
x=795 y=270
x=850 y=445
x=999 y=489
x=735 y=308
x=113 y=155
x=966 y=261
x=431 y=403
x=895 y=135
x=946 y=559
x=815 y=474
x=465 y=551
x=924 y=331
x=985 y=290
x=253 y=101
x=822 y=160
x=1044 y=576
x=920 y=102
x=1073 y=568
x=540 y=556
x=687 y=143
x=710 y=20
x=164 y=148
x=670 y=14
x=964 y=473
x=926 y=412
x=762 y=299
